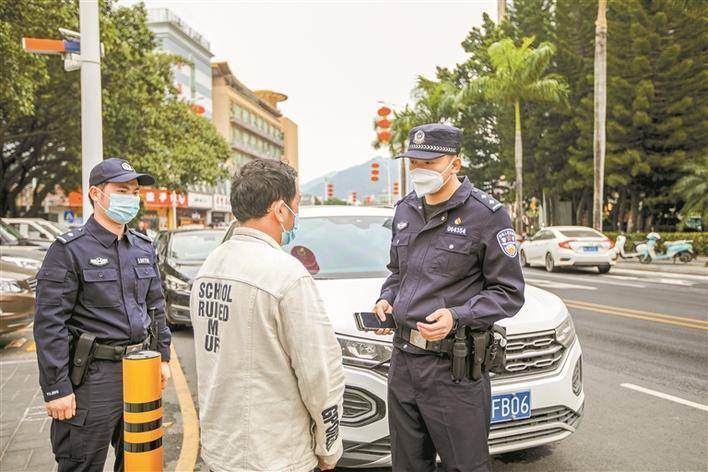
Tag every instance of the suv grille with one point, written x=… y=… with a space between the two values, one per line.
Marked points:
x=543 y=422
x=532 y=354
x=361 y=407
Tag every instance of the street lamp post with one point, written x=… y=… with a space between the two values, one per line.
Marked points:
x=91 y=124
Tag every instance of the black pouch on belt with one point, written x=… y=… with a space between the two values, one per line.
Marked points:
x=495 y=360
x=479 y=350
x=83 y=354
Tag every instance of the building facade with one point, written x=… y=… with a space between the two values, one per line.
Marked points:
x=192 y=78
x=251 y=121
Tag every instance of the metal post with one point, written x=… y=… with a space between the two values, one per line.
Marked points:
x=91 y=124
x=388 y=178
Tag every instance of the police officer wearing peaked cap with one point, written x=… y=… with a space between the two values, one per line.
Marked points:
x=93 y=293
x=454 y=270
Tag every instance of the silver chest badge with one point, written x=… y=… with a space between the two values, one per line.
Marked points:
x=98 y=261
x=402 y=225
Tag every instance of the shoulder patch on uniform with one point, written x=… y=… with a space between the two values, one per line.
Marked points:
x=487 y=200
x=507 y=242
x=140 y=235
x=72 y=235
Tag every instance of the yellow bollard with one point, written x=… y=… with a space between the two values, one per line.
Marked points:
x=142 y=412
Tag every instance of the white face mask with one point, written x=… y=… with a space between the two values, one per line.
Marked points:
x=427 y=181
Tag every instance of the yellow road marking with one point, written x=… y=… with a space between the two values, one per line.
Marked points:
x=640 y=312
x=639 y=315
x=32 y=347
x=190 y=433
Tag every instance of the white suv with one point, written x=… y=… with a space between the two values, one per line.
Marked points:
x=538 y=400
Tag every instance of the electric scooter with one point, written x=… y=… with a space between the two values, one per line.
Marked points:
x=681 y=250
x=619 y=250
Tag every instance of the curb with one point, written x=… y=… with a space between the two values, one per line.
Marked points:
x=189 y=452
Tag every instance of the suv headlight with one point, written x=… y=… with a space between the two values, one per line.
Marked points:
x=565 y=332
x=24 y=262
x=10 y=286
x=364 y=353
x=173 y=283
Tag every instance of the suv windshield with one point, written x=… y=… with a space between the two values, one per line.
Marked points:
x=194 y=245
x=581 y=233
x=343 y=247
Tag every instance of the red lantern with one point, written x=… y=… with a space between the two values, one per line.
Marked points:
x=330 y=190
x=384 y=136
x=383 y=123
x=375 y=165
x=374 y=178
x=395 y=188
x=384 y=111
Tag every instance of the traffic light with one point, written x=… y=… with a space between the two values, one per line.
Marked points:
x=375 y=171
x=395 y=188
x=330 y=190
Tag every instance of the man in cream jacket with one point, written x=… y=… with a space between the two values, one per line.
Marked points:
x=268 y=363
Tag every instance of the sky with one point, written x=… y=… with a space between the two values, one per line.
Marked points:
x=335 y=60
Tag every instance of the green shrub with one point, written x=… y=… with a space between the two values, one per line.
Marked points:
x=700 y=240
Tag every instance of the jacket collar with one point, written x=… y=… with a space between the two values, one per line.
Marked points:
x=105 y=237
x=241 y=232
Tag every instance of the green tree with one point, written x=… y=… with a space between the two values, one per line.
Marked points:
x=693 y=188
x=520 y=75
x=143 y=120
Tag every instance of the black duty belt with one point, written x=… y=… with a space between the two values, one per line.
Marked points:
x=106 y=352
x=414 y=337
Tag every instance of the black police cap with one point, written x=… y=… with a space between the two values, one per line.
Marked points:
x=433 y=140
x=117 y=170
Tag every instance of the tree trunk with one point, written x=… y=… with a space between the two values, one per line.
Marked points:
x=581 y=209
x=600 y=112
x=519 y=164
x=633 y=211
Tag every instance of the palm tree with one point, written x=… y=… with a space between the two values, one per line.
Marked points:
x=518 y=76
x=600 y=113
x=693 y=188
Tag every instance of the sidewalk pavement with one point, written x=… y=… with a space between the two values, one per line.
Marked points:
x=25 y=426
x=698 y=266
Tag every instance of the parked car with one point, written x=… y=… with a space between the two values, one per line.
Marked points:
x=36 y=230
x=180 y=254
x=15 y=249
x=568 y=246
x=346 y=249
x=17 y=287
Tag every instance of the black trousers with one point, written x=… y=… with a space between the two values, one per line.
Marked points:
x=429 y=414
x=80 y=444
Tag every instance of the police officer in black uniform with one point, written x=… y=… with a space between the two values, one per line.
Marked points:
x=454 y=271
x=93 y=293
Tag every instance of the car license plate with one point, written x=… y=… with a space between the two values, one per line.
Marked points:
x=591 y=248
x=511 y=406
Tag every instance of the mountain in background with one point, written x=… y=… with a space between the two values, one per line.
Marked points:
x=356 y=179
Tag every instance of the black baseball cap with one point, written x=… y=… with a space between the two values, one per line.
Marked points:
x=427 y=142
x=117 y=170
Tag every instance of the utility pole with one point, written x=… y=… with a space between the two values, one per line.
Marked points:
x=600 y=113
x=91 y=118
x=501 y=11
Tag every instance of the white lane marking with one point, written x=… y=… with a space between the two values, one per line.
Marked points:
x=701 y=278
x=665 y=396
x=28 y=361
x=594 y=280
x=662 y=280
x=685 y=283
x=552 y=284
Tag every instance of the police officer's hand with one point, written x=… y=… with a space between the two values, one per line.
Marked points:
x=438 y=325
x=381 y=309
x=63 y=408
x=165 y=373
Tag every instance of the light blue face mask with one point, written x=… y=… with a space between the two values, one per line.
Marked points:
x=122 y=208
x=287 y=236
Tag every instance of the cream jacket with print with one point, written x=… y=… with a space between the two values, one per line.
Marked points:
x=268 y=364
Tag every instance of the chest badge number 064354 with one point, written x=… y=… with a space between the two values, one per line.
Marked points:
x=507 y=242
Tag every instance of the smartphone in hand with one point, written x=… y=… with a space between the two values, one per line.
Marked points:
x=368 y=321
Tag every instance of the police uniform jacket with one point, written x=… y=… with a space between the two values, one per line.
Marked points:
x=464 y=259
x=91 y=281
